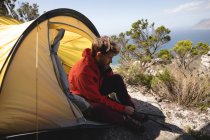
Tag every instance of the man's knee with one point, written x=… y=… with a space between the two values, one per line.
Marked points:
x=117 y=77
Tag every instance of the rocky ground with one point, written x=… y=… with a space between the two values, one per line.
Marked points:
x=178 y=118
x=176 y=124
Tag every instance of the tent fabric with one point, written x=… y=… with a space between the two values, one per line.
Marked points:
x=31 y=98
x=8 y=21
x=9 y=34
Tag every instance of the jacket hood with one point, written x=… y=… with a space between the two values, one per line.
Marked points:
x=87 y=53
x=88 y=59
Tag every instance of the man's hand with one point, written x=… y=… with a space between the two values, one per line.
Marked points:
x=129 y=110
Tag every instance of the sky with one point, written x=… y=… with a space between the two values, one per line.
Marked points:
x=115 y=16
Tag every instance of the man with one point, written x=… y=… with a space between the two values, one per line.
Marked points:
x=93 y=79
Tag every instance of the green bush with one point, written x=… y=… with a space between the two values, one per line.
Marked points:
x=165 y=86
x=133 y=75
x=140 y=79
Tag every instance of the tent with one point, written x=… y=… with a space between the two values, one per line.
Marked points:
x=33 y=86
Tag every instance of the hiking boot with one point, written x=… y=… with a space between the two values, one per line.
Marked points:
x=140 y=117
x=134 y=125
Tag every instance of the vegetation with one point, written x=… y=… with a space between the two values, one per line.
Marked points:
x=141 y=43
x=134 y=76
x=185 y=53
x=165 y=56
x=25 y=12
x=165 y=72
x=186 y=90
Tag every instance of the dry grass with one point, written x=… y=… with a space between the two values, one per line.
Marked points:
x=174 y=84
x=187 y=90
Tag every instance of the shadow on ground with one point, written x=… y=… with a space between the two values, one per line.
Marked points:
x=202 y=134
x=156 y=124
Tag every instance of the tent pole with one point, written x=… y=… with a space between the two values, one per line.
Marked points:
x=37 y=123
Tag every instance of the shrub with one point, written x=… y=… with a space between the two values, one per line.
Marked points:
x=140 y=79
x=187 y=90
x=134 y=75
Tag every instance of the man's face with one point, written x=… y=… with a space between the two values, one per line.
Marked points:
x=106 y=59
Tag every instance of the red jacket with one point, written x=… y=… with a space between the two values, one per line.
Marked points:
x=85 y=80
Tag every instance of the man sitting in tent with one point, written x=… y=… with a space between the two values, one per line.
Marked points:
x=93 y=79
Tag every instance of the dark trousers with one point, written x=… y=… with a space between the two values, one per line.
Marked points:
x=103 y=113
x=116 y=84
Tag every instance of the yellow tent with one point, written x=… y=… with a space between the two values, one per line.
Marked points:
x=32 y=97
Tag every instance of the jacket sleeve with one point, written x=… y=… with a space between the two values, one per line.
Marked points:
x=90 y=89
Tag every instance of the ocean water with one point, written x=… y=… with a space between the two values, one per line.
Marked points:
x=177 y=35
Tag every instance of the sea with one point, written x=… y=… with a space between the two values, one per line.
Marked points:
x=181 y=34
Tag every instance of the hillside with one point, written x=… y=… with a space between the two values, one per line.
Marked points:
x=203 y=24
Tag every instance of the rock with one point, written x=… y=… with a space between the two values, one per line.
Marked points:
x=206 y=64
x=208 y=53
x=205 y=60
x=158 y=99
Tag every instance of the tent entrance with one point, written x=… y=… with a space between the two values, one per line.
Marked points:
x=74 y=41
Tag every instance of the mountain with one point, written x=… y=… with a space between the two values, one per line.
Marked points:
x=203 y=24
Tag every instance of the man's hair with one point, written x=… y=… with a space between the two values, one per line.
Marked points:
x=104 y=45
